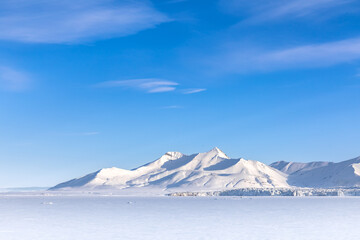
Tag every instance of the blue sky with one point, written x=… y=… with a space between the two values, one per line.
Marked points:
x=88 y=84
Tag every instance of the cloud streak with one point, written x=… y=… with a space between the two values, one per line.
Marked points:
x=89 y=133
x=193 y=90
x=305 y=56
x=264 y=10
x=13 y=80
x=68 y=21
x=172 y=107
x=316 y=55
x=80 y=133
x=150 y=85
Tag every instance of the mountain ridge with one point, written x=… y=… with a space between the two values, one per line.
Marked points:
x=209 y=170
x=214 y=170
x=292 y=167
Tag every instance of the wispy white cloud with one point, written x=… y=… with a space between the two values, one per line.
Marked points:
x=68 y=21
x=175 y=1
x=305 y=56
x=316 y=55
x=193 y=90
x=264 y=10
x=89 y=133
x=161 y=89
x=172 y=107
x=150 y=85
x=79 y=133
x=13 y=80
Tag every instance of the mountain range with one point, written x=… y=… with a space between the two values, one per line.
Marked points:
x=214 y=170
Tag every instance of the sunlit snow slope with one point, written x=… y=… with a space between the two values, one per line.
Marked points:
x=212 y=170
x=297 y=167
x=342 y=174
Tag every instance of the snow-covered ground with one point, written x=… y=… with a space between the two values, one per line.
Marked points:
x=295 y=192
x=89 y=217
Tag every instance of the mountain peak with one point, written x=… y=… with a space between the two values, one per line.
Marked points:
x=219 y=152
x=173 y=154
x=216 y=149
x=174 y=170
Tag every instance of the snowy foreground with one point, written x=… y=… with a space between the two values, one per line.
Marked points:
x=296 y=192
x=89 y=217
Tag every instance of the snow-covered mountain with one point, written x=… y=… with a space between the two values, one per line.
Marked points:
x=342 y=174
x=293 y=167
x=321 y=174
x=212 y=170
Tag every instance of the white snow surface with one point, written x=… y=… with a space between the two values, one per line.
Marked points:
x=178 y=218
x=212 y=170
